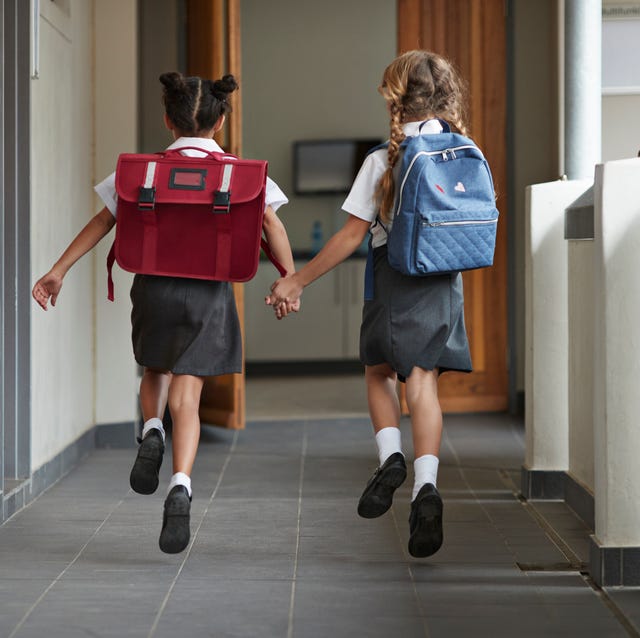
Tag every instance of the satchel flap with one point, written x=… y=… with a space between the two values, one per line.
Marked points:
x=179 y=179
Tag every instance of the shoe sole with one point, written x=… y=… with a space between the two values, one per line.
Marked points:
x=144 y=476
x=378 y=500
x=175 y=533
x=427 y=537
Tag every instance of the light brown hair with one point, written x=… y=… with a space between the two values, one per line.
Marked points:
x=417 y=85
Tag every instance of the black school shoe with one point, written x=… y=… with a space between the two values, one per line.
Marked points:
x=378 y=495
x=144 y=474
x=175 y=533
x=425 y=522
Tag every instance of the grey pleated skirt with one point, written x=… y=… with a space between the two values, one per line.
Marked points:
x=187 y=326
x=414 y=321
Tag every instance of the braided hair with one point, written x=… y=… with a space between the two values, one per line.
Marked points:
x=195 y=105
x=417 y=85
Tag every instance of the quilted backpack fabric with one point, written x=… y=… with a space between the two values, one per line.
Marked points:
x=445 y=218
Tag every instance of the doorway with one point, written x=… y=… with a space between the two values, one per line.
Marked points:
x=473 y=34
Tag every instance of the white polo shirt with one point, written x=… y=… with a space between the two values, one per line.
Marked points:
x=360 y=201
x=106 y=189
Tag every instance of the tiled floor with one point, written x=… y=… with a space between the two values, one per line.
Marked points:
x=278 y=550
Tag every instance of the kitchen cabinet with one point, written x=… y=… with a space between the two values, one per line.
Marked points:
x=326 y=328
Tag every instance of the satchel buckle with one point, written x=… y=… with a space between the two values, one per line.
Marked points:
x=222 y=202
x=147 y=198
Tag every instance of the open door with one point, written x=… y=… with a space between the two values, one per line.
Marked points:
x=472 y=33
x=213 y=49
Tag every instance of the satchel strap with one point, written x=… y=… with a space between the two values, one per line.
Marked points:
x=223 y=157
x=111 y=257
x=222 y=197
x=222 y=206
x=147 y=192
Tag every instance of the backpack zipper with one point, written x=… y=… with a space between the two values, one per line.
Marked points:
x=444 y=152
x=465 y=222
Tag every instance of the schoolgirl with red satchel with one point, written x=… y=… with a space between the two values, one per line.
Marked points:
x=184 y=319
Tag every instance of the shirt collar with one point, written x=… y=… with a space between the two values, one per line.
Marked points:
x=205 y=143
x=411 y=129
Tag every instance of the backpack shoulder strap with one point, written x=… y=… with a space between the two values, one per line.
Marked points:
x=378 y=147
x=446 y=128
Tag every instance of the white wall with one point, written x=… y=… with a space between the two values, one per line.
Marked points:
x=116 y=117
x=62 y=389
x=82 y=367
x=547 y=328
x=616 y=361
x=310 y=70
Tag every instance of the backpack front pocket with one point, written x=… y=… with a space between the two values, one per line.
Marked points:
x=453 y=245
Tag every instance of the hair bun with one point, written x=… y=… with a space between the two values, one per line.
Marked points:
x=173 y=81
x=225 y=85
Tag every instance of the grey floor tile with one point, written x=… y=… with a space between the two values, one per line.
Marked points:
x=279 y=549
x=227 y=608
x=355 y=569
x=362 y=606
x=380 y=625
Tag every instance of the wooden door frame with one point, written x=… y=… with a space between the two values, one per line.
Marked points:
x=480 y=56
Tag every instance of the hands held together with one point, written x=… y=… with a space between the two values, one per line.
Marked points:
x=285 y=296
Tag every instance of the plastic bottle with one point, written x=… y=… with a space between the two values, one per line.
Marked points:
x=317 y=240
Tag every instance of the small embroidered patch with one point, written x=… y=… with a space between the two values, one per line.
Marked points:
x=460 y=188
x=440 y=188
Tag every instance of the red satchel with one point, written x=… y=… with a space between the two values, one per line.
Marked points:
x=197 y=217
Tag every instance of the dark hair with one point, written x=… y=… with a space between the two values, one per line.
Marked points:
x=193 y=104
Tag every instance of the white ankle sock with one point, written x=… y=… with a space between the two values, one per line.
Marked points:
x=426 y=471
x=180 y=478
x=388 y=441
x=151 y=424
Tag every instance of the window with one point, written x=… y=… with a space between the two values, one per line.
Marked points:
x=621 y=50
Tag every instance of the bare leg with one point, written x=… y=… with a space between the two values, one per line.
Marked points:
x=384 y=405
x=144 y=475
x=425 y=520
x=154 y=389
x=384 y=409
x=184 y=402
x=424 y=408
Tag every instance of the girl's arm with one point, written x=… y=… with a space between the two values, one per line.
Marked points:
x=49 y=285
x=335 y=251
x=278 y=241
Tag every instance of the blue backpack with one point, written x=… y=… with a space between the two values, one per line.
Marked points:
x=445 y=216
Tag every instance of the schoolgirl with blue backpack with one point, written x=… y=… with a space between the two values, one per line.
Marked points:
x=427 y=199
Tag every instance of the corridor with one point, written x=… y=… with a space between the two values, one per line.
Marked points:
x=278 y=550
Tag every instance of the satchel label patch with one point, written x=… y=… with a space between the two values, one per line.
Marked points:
x=188 y=178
